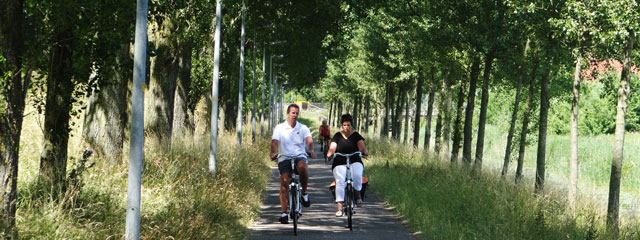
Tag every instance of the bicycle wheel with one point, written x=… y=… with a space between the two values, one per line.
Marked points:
x=293 y=212
x=348 y=201
x=324 y=153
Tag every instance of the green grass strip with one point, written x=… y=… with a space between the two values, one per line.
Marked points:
x=438 y=200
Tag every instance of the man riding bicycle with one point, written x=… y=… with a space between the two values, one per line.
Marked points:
x=291 y=138
x=324 y=134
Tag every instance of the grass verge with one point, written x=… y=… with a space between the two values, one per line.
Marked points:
x=443 y=201
x=180 y=200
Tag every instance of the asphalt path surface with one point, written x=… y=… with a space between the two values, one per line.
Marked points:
x=372 y=221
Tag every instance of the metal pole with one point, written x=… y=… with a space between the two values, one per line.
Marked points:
x=132 y=225
x=214 y=92
x=270 y=91
x=241 y=83
x=264 y=85
x=282 y=103
x=275 y=99
x=253 y=111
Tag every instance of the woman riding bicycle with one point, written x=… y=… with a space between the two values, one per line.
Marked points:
x=347 y=141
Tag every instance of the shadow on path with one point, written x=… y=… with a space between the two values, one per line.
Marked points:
x=372 y=221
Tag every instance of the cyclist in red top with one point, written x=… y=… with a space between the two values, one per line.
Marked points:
x=325 y=133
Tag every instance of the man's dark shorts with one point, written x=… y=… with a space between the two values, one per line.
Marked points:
x=285 y=166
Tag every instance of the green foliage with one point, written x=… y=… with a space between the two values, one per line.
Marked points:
x=598 y=101
x=559 y=117
x=597 y=110
x=95 y=31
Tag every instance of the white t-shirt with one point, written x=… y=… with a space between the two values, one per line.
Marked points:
x=291 y=139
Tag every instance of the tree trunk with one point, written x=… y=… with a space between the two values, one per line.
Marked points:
x=366 y=118
x=484 y=102
x=446 y=118
x=416 y=123
x=159 y=99
x=107 y=113
x=427 y=126
x=336 y=114
x=182 y=121
x=12 y=48
x=438 y=141
x=339 y=114
x=514 y=114
x=397 y=114
x=613 y=207
x=202 y=118
x=468 y=113
x=355 y=113
x=53 y=160
x=455 y=147
x=361 y=118
x=573 y=161
x=441 y=109
x=330 y=114
x=384 y=132
x=525 y=121
x=406 y=117
x=376 y=120
x=512 y=124
x=542 y=130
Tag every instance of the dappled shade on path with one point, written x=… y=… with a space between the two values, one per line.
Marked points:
x=372 y=221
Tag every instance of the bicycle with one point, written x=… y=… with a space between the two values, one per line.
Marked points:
x=349 y=193
x=295 y=195
x=324 y=148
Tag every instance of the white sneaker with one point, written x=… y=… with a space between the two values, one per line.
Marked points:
x=305 y=200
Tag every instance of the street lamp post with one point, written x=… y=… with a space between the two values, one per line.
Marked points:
x=241 y=81
x=136 y=154
x=264 y=85
x=253 y=112
x=272 y=91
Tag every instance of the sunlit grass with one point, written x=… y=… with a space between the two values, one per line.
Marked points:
x=444 y=201
x=180 y=200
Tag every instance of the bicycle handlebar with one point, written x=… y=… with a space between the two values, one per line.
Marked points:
x=348 y=155
x=288 y=156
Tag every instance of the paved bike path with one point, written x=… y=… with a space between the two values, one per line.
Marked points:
x=372 y=221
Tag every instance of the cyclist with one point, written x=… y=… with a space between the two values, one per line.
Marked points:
x=347 y=141
x=324 y=133
x=291 y=137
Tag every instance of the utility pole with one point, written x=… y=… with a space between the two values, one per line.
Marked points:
x=253 y=112
x=264 y=85
x=270 y=92
x=132 y=225
x=241 y=83
x=214 y=92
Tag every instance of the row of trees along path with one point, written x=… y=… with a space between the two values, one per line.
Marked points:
x=363 y=57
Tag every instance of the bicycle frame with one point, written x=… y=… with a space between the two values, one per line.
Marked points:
x=295 y=209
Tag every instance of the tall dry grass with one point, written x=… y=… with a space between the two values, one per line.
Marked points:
x=180 y=200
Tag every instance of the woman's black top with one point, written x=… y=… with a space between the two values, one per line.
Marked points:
x=346 y=146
